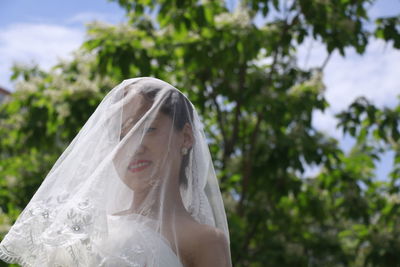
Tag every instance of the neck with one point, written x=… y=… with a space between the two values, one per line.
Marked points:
x=165 y=199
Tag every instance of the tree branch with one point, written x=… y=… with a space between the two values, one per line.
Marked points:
x=219 y=116
x=247 y=165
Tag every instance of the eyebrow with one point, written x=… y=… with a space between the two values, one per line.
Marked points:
x=149 y=118
x=136 y=121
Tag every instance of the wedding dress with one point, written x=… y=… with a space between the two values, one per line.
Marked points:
x=128 y=253
x=126 y=190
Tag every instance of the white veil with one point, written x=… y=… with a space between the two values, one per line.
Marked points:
x=135 y=187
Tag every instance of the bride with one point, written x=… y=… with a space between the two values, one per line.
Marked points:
x=136 y=187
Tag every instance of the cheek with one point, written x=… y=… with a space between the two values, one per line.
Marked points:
x=166 y=147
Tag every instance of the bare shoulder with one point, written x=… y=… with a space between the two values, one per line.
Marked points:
x=208 y=235
x=209 y=246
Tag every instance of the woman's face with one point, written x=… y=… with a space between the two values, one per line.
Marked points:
x=156 y=146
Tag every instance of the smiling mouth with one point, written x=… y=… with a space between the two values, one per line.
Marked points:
x=138 y=165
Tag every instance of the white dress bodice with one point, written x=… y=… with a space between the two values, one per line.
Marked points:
x=133 y=242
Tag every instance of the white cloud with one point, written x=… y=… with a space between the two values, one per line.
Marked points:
x=373 y=75
x=311 y=53
x=86 y=17
x=41 y=43
x=326 y=123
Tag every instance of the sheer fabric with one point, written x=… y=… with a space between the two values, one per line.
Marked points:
x=131 y=189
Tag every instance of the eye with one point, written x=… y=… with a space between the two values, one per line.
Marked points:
x=149 y=130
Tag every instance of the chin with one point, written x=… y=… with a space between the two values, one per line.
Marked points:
x=137 y=184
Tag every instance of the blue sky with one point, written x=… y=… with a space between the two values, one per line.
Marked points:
x=43 y=31
x=56 y=12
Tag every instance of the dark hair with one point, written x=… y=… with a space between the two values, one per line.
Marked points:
x=180 y=110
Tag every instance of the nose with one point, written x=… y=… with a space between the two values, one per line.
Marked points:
x=140 y=150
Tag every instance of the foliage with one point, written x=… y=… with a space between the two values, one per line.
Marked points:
x=239 y=69
x=45 y=112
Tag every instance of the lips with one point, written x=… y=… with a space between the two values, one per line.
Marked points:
x=138 y=165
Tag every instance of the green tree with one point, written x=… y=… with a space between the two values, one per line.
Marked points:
x=239 y=69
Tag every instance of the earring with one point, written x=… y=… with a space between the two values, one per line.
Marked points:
x=184 y=151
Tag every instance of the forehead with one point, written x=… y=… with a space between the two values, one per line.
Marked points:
x=135 y=106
